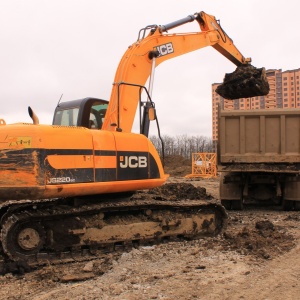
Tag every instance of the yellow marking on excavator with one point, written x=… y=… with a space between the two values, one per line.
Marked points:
x=20 y=142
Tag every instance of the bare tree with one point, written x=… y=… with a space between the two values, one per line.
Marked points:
x=182 y=145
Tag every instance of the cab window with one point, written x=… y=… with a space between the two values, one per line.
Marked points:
x=66 y=117
x=97 y=115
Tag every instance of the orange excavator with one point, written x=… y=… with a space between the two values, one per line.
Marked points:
x=66 y=189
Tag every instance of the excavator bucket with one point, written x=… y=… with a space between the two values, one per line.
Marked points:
x=245 y=82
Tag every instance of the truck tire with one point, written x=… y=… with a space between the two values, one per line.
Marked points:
x=297 y=205
x=287 y=205
x=233 y=204
x=226 y=204
x=237 y=204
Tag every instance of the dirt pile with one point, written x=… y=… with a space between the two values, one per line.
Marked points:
x=181 y=191
x=174 y=191
x=263 y=239
x=177 y=165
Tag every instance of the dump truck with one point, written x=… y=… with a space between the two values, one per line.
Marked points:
x=259 y=157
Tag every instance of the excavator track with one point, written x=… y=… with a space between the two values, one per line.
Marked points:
x=63 y=231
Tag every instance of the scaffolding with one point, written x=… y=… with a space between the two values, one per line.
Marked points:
x=203 y=165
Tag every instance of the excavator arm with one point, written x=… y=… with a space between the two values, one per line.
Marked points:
x=149 y=51
x=224 y=43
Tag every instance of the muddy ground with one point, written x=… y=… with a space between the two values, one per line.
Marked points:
x=257 y=257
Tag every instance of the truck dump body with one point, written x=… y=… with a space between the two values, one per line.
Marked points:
x=259 y=137
x=259 y=157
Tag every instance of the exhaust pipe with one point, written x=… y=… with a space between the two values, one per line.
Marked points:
x=33 y=116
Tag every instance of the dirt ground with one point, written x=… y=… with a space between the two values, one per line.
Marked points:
x=257 y=257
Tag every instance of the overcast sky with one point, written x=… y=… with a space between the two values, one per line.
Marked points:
x=73 y=47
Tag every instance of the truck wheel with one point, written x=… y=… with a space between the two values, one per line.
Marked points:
x=297 y=205
x=237 y=204
x=226 y=204
x=287 y=205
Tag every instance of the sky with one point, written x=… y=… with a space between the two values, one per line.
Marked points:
x=72 y=48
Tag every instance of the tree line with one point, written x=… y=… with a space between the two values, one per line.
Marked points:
x=182 y=145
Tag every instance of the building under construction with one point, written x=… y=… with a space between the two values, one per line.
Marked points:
x=284 y=93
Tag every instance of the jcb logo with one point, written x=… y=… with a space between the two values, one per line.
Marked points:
x=133 y=162
x=165 y=49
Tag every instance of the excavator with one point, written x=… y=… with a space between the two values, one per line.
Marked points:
x=67 y=189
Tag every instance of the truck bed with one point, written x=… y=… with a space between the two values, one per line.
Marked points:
x=256 y=140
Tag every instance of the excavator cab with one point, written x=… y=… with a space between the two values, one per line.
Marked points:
x=88 y=112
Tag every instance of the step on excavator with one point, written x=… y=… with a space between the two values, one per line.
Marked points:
x=67 y=190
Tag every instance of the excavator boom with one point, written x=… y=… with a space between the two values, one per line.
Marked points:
x=136 y=64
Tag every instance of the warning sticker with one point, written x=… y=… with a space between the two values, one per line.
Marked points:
x=20 y=142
